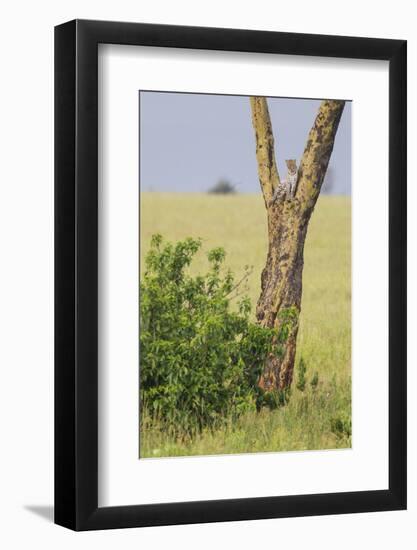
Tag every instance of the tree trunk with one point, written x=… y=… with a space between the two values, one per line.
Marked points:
x=279 y=304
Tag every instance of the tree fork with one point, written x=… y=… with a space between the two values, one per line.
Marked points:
x=279 y=304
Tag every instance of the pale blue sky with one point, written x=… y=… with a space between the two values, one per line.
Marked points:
x=190 y=141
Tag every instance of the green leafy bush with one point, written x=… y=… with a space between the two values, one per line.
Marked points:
x=200 y=360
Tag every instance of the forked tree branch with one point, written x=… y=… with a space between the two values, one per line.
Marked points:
x=265 y=154
x=317 y=152
x=316 y=156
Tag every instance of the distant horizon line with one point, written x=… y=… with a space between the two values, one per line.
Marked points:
x=226 y=194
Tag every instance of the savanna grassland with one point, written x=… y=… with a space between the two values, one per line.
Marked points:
x=318 y=415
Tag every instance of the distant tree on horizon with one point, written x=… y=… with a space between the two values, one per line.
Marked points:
x=223 y=187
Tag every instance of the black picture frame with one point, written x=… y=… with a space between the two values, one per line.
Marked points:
x=76 y=272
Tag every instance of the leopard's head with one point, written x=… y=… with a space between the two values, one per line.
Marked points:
x=291 y=165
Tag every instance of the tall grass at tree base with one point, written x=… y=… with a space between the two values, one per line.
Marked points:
x=307 y=422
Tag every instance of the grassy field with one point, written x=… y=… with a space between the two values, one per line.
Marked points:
x=319 y=417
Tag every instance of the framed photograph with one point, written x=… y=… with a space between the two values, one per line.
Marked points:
x=230 y=284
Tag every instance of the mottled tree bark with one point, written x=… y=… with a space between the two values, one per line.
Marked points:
x=288 y=218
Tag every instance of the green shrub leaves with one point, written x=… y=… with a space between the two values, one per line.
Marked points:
x=200 y=360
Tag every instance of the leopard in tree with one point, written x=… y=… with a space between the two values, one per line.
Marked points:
x=286 y=189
